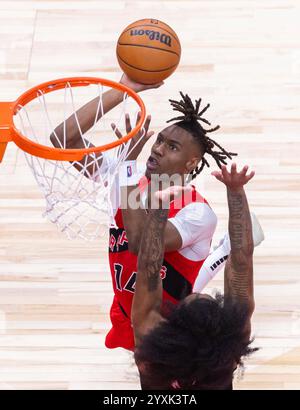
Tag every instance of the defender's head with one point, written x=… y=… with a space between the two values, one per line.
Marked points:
x=181 y=147
x=198 y=347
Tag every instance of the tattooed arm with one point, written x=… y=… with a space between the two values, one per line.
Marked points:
x=145 y=313
x=239 y=267
x=147 y=300
x=134 y=221
x=238 y=281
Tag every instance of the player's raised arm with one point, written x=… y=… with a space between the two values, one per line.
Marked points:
x=147 y=300
x=239 y=266
x=148 y=289
x=86 y=116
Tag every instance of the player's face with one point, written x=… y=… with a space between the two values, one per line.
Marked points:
x=175 y=151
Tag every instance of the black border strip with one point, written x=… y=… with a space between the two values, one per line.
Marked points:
x=141 y=45
x=147 y=71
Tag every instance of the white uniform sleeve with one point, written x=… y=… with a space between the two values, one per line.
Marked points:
x=212 y=264
x=195 y=222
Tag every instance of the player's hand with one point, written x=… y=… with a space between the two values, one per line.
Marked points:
x=138 y=141
x=137 y=87
x=233 y=179
x=166 y=196
x=173 y=192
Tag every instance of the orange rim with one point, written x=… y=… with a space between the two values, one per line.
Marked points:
x=7 y=110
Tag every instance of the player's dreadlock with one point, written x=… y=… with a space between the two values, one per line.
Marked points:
x=189 y=120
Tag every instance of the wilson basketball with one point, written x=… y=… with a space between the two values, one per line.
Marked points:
x=148 y=51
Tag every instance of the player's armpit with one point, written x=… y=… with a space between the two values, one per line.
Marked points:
x=173 y=240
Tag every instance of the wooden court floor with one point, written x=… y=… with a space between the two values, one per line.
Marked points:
x=242 y=56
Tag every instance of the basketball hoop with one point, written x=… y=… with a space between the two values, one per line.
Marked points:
x=77 y=200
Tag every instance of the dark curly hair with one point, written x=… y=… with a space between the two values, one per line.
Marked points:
x=198 y=347
x=190 y=121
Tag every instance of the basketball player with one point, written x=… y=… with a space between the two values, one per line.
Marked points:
x=203 y=339
x=178 y=149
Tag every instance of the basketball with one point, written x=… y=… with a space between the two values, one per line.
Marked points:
x=148 y=51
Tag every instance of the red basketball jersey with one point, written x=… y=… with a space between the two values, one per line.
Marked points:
x=178 y=276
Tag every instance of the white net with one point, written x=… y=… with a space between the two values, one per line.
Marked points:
x=78 y=194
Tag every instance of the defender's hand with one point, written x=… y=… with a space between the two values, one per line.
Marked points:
x=167 y=195
x=232 y=179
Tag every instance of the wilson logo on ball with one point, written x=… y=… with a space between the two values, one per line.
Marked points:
x=153 y=35
x=148 y=51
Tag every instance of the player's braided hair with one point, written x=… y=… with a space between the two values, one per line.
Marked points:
x=190 y=121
